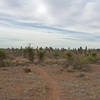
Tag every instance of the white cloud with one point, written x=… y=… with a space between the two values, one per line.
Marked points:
x=50 y=15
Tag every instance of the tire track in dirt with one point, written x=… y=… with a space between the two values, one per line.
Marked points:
x=54 y=93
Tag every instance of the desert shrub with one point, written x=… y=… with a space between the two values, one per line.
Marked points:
x=25 y=52
x=30 y=53
x=93 y=54
x=84 y=60
x=69 y=56
x=3 y=56
x=81 y=63
x=91 y=59
x=80 y=50
x=41 y=54
x=56 y=53
x=78 y=62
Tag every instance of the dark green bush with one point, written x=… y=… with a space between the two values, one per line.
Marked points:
x=78 y=62
x=92 y=59
x=93 y=54
x=81 y=63
x=3 y=56
x=30 y=53
x=56 y=53
x=69 y=56
x=41 y=54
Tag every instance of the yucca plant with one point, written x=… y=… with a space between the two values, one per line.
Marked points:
x=41 y=54
x=30 y=53
x=69 y=56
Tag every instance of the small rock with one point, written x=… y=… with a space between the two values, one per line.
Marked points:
x=81 y=75
x=27 y=70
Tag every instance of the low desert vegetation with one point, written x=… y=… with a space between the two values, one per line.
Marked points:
x=56 y=53
x=79 y=59
x=41 y=54
x=29 y=52
x=69 y=57
x=3 y=56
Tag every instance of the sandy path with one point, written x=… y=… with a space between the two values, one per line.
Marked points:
x=52 y=86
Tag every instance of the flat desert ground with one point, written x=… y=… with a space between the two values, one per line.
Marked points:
x=48 y=82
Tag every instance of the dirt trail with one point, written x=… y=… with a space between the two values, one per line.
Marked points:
x=54 y=93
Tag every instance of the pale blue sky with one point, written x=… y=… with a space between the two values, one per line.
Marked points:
x=56 y=23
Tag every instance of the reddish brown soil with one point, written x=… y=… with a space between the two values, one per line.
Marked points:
x=49 y=83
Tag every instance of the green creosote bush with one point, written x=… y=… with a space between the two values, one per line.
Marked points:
x=41 y=54
x=3 y=56
x=77 y=62
x=30 y=53
x=92 y=58
x=56 y=53
x=93 y=54
x=81 y=63
x=69 y=56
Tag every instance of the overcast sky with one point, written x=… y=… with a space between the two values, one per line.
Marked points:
x=56 y=23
